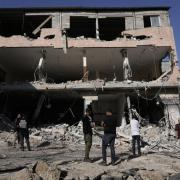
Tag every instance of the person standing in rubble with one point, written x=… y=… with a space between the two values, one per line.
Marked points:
x=177 y=129
x=135 y=134
x=88 y=124
x=24 y=133
x=16 y=130
x=109 y=123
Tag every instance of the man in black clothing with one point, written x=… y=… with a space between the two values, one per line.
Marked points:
x=88 y=124
x=24 y=133
x=109 y=123
x=16 y=130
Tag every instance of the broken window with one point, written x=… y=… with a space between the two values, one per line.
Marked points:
x=111 y=28
x=11 y=24
x=82 y=26
x=151 y=21
x=32 y=22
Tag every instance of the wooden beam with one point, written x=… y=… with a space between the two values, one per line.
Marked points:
x=41 y=25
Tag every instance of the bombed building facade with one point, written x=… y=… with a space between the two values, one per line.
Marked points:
x=56 y=62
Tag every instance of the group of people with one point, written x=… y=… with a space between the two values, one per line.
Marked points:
x=109 y=124
x=21 y=132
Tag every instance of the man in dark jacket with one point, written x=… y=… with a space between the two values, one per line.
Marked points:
x=24 y=133
x=109 y=123
x=16 y=130
x=88 y=124
x=177 y=129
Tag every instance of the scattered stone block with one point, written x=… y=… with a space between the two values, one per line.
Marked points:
x=150 y=175
x=46 y=172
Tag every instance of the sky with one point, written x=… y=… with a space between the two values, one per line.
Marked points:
x=174 y=10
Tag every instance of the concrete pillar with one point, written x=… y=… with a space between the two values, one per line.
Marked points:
x=129 y=23
x=120 y=111
x=171 y=110
x=127 y=72
x=164 y=19
x=139 y=22
x=97 y=28
x=88 y=100
x=64 y=41
x=85 y=70
x=129 y=107
x=56 y=21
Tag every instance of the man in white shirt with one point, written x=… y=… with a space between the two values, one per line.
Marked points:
x=135 y=135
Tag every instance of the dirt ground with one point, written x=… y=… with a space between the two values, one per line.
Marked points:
x=69 y=159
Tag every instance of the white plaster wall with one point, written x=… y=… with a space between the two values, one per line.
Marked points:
x=173 y=111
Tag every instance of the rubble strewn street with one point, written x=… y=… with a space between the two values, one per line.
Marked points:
x=58 y=151
x=89 y=91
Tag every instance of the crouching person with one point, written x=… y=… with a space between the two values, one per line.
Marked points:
x=24 y=133
x=135 y=135
x=88 y=124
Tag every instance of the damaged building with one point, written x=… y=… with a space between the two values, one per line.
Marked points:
x=55 y=62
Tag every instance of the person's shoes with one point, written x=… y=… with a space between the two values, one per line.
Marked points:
x=103 y=163
x=113 y=163
x=87 y=160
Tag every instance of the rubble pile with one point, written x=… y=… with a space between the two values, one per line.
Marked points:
x=55 y=134
x=5 y=123
x=153 y=138
x=42 y=170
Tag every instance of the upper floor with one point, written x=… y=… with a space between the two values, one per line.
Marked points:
x=104 y=24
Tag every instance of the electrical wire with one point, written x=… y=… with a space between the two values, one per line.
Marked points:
x=149 y=99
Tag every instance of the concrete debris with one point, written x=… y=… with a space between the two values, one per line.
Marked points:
x=3 y=156
x=46 y=172
x=5 y=123
x=153 y=138
x=40 y=171
x=59 y=133
x=55 y=163
x=23 y=174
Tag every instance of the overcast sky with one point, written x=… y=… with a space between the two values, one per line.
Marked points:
x=174 y=4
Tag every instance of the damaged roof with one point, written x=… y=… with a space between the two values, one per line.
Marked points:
x=75 y=8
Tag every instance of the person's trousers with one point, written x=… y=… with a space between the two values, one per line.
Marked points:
x=88 y=144
x=24 y=135
x=108 y=140
x=16 y=138
x=136 y=141
x=178 y=143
